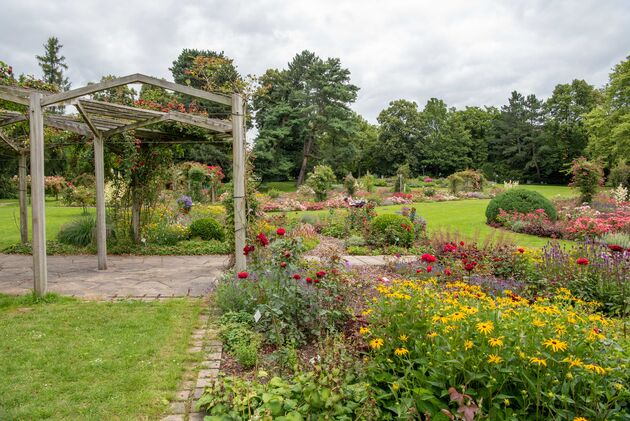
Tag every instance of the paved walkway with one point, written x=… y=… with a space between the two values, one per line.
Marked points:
x=134 y=276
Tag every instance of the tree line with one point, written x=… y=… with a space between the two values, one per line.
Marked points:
x=304 y=118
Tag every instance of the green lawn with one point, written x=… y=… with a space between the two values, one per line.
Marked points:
x=56 y=215
x=83 y=360
x=465 y=216
x=284 y=186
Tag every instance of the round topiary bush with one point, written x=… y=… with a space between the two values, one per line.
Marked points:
x=392 y=229
x=519 y=200
x=207 y=229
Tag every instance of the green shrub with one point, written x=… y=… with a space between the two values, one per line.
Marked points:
x=358 y=251
x=620 y=175
x=273 y=193
x=587 y=177
x=78 y=232
x=239 y=339
x=207 y=229
x=350 y=184
x=166 y=234
x=368 y=181
x=355 y=241
x=429 y=191
x=519 y=200
x=8 y=188
x=468 y=180
x=392 y=229
x=321 y=181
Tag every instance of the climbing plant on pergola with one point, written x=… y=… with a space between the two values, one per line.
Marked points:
x=100 y=120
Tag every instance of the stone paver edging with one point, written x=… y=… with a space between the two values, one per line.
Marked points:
x=205 y=340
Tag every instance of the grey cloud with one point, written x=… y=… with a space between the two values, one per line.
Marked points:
x=465 y=52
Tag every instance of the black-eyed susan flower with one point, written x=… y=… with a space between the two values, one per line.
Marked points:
x=595 y=368
x=496 y=342
x=556 y=345
x=376 y=343
x=580 y=419
x=364 y=330
x=573 y=362
x=403 y=338
x=485 y=327
x=538 y=361
x=468 y=345
x=400 y=352
x=494 y=359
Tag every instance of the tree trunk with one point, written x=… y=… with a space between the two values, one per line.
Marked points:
x=307 y=151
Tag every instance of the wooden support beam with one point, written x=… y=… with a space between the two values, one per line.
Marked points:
x=11 y=119
x=135 y=78
x=9 y=142
x=23 y=186
x=101 y=227
x=10 y=96
x=40 y=269
x=238 y=151
x=199 y=121
x=88 y=121
x=134 y=126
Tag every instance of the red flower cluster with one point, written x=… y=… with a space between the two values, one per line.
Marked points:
x=248 y=249
x=262 y=238
x=429 y=258
x=470 y=265
x=406 y=227
x=615 y=247
x=448 y=272
x=321 y=274
x=449 y=248
x=242 y=275
x=583 y=261
x=281 y=231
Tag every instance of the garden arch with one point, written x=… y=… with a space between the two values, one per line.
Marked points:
x=99 y=121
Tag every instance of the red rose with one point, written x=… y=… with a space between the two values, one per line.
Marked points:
x=297 y=277
x=248 y=249
x=242 y=275
x=461 y=243
x=309 y=280
x=262 y=238
x=470 y=266
x=419 y=270
x=429 y=269
x=283 y=264
x=429 y=258
x=281 y=231
x=521 y=250
x=316 y=281
x=615 y=247
x=448 y=272
x=321 y=274
x=287 y=254
x=582 y=261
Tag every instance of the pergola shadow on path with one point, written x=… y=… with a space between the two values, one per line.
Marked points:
x=100 y=120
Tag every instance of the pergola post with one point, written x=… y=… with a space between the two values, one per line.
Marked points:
x=23 y=186
x=101 y=229
x=38 y=198
x=238 y=147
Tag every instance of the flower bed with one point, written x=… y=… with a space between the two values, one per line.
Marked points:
x=503 y=358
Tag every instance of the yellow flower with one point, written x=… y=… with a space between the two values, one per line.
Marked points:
x=457 y=316
x=364 y=330
x=595 y=368
x=560 y=329
x=506 y=402
x=366 y=312
x=494 y=359
x=432 y=334
x=468 y=345
x=376 y=343
x=403 y=338
x=538 y=361
x=494 y=342
x=580 y=419
x=399 y=352
x=539 y=323
x=555 y=345
x=522 y=355
x=485 y=327
x=395 y=386
x=573 y=362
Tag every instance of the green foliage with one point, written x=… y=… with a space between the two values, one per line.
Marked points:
x=392 y=229
x=53 y=66
x=609 y=124
x=368 y=182
x=321 y=181
x=8 y=188
x=355 y=241
x=239 y=339
x=79 y=232
x=587 y=177
x=519 y=200
x=273 y=193
x=331 y=389
x=619 y=175
x=207 y=229
x=165 y=234
x=468 y=181
x=350 y=184
x=79 y=196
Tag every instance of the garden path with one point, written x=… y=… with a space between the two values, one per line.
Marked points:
x=127 y=276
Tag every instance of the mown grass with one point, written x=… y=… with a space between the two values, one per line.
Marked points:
x=56 y=216
x=65 y=359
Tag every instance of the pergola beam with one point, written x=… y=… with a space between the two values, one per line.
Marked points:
x=40 y=267
x=9 y=142
x=96 y=132
x=135 y=78
x=133 y=126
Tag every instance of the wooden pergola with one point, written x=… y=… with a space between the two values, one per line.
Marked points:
x=100 y=120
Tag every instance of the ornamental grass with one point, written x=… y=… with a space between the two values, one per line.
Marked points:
x=552 y=358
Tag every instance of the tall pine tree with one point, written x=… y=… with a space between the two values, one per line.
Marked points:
x=53 y=65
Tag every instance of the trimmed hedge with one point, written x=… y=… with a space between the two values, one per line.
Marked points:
x=519 y=200
x=390 y=229
x=207 y=229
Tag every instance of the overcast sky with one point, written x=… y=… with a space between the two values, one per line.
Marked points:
x=465 y=52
